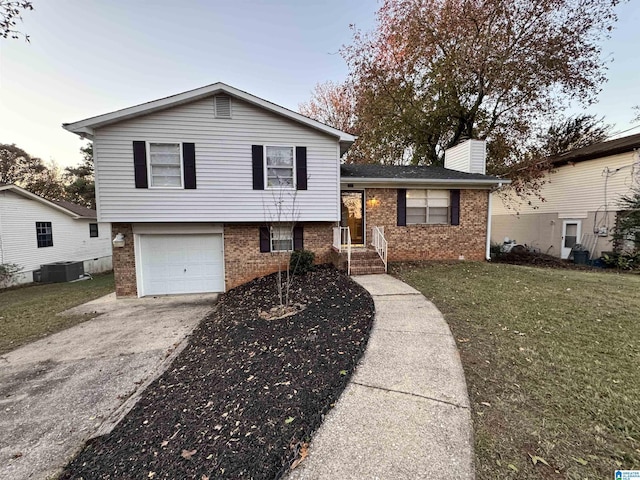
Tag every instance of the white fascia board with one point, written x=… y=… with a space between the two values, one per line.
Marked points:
x=44 y=201
x=395 y=182
x=193 y=95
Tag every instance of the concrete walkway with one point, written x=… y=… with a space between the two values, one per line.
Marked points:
x=66 y=388
x=405 y=414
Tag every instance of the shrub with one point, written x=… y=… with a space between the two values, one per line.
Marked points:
x=7 y=271
x=622 y=260
x=301 y=262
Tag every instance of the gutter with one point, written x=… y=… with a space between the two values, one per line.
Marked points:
x=442 y=181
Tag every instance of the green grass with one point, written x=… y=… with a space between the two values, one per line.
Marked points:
x=552 y=363
x=29 y=313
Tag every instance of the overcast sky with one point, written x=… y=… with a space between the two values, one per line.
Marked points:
x=89 y=57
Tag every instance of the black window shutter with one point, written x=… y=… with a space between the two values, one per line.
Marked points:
x=301 y=168
x=140 y=164
x=298 y=238
x=402 y=207
x=455 y=207
x=257 y=156
x=265 y=239
x=189 y=159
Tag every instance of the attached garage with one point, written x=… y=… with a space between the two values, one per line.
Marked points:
x=175 y=263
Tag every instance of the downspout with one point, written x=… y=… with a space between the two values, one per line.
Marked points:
x=488 y=245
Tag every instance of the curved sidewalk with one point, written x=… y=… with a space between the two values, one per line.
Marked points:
x=405 y=413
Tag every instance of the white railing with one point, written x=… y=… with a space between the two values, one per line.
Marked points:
x=342 y=243
x=380 y=244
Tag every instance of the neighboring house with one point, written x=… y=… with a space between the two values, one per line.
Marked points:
x=200 y=187
x=580 y=204
x=35 y=231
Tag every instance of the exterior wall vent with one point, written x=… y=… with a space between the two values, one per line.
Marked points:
x=222 y=106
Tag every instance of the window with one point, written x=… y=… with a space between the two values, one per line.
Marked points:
x=281 y=238
x=93 y=230
x=44 y=234
x=165 y=162
x=280 y=167
x=428 y=207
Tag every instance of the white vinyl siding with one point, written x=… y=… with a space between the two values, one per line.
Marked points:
x=165 y=164
x=573 y=190
x=223 y=167
x=428 y=207
x=71 y=238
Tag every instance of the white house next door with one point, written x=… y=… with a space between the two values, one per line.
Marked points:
x=571 y=234
x=171 y=264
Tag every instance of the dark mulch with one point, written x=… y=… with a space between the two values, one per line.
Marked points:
x=537 y=260
x=246 y=393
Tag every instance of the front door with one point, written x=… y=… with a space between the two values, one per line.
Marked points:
x=353 y=215
x=571 y=232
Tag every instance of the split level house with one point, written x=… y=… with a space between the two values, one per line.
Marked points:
x=35 y=231
x=579 y=202
x=203 y=190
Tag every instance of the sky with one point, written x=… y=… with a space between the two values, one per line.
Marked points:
x=89 y=57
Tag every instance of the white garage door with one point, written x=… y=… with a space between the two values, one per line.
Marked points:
x=181 y=264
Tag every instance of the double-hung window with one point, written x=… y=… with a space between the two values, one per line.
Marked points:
x=165 y=165
x=44 y=234
x=281 y=238
x=93 y=230
x=280 y=167
x=428 y=207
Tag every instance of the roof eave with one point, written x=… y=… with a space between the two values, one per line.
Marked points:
x=417 y=181
x=86 y=126
x=33 y=196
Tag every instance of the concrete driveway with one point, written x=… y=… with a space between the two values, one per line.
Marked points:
x=64 y=389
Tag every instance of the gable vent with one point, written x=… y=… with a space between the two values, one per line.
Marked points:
x=222 y=106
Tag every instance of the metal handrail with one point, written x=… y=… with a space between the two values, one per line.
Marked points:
x=342 y=242
x=380 y=244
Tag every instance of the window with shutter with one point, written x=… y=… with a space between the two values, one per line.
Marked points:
x=428 y=207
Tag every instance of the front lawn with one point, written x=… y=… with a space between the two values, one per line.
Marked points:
x=244 y=397
x=552 y=362
x=29 y=313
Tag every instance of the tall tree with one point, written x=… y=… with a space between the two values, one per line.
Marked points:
x=333 y=104
x=10 y=13
x=573 y=133
x=80 y=187
x=434 y=72
x=30 y=173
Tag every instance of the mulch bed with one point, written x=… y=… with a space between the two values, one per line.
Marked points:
x=245 y=395
x=537 y=260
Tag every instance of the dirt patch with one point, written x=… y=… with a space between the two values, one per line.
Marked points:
x=537 y=260
x=247 y=393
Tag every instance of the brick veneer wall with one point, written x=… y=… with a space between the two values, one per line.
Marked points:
x=431 y=242
x=244 y=261
x=124 y=262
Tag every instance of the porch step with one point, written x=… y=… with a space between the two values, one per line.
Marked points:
x=366 y=262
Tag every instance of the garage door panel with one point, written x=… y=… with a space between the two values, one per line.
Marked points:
x=181 y=264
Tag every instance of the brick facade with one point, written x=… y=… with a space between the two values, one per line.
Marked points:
x=430 y=242
x=124 y=262
x=244 y=261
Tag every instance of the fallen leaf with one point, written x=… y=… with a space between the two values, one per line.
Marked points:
x=289 y=420
x=343 y=372
x=188 y=454
x=151 y=474
x=513 y=467
x=16 y=455
x=535 y=459
x=204 y=477
x=303 y=454
x=486 y=404
x=164 y=443
x=581 y=461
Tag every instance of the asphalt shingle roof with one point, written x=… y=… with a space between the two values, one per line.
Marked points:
x=77 y=209
x=408 y=172
x=598 y=150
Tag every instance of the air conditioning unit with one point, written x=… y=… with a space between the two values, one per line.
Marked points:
x=58 y=272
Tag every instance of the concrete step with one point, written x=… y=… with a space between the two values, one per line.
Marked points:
x=367 y=270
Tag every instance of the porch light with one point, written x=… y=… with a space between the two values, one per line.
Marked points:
x=373 y=202
x=118 y=241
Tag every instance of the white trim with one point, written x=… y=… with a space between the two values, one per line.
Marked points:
x=137 y=255
x=176 y=228
x=563 y=250
x=427 y=208
x=487 y=253
x=282 y=228
x=294 y=183
x=85 y=127
x=573 y=215
x=441 y=182
x=149 y=176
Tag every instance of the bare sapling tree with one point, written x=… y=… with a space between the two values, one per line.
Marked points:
x=282 y=214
